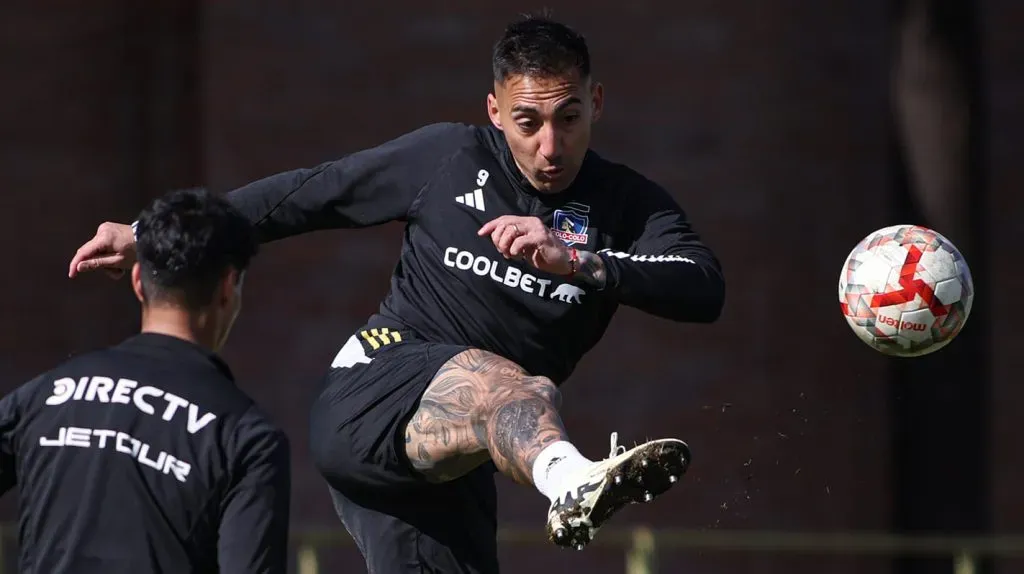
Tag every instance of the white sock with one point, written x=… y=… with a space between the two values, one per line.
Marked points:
x=553 y=464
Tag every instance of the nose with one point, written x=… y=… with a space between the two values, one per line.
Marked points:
x=550 y=143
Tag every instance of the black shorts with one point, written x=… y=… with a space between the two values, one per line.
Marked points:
x=401 y=522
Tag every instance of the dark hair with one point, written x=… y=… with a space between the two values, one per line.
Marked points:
x=535 y=45
x=186 y=241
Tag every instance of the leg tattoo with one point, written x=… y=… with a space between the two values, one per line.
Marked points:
x=524 y=421
x=481 y=406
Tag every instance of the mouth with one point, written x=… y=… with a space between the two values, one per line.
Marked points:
x=552 y=172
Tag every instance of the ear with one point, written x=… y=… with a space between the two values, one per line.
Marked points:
x=596 y=101
x=493 y=111
x=230 y=287
x=137 y=283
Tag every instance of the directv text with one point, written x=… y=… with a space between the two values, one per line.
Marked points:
x=147 y=399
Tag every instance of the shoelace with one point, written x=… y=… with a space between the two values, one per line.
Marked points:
x=616 y=449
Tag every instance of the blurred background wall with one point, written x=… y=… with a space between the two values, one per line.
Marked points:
x=787 y=129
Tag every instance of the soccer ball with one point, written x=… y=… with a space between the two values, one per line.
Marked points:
x=906 y=290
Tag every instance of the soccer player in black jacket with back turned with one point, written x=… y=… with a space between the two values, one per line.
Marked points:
x=145 y=457
x=520 y=244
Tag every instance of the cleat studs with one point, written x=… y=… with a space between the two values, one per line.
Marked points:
x=672 y=479
x=618 y=479
x=648 y=497
x=644 y=463
x=579 y=546
x=560 y=534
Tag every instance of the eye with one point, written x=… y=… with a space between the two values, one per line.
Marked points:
x=571 y=117
x=526 y=124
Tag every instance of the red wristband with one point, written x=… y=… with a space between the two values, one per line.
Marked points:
x=574 y=259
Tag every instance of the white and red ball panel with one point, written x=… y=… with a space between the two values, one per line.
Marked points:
x=905 y=290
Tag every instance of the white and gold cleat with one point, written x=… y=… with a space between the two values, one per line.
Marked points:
x=598 y=491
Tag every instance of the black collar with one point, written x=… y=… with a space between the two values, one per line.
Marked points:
x=168 y=343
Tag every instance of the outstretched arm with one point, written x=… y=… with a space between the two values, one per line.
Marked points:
x=366 y=188
x=369 y=187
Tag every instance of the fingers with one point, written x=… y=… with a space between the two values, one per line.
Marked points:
x=508 y=234
x=496 y=234
x=503 y=231
x=492 y=225
x=524 y=224
x=106 y=262
x=515 y=236
x=527 y=239
x=523 y=245
x=96 y=246
x=110 y=249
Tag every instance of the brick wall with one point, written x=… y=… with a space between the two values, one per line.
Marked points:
x=769 y=125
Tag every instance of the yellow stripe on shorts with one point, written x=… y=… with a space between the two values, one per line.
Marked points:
x=378 y=338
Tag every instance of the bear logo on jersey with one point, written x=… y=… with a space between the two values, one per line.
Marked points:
x=568 y=293
x=571 y=223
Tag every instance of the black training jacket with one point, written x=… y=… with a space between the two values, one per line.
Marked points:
x=450 y=285
x=144 y=458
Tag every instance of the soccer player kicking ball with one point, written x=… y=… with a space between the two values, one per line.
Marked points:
x=520 y=244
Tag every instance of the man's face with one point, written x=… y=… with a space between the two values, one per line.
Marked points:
x=547 y=121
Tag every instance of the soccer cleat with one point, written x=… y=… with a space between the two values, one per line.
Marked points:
x=603 y=488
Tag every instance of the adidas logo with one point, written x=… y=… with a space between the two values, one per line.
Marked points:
x=474 y=198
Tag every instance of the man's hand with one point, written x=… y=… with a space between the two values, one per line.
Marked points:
x=112 y=249
x=528 y=239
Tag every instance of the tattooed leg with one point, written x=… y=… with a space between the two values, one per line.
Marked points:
x=481 y=406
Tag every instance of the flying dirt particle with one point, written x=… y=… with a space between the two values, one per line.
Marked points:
x=782 y=435
x=749 y=460
x=797 y=472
